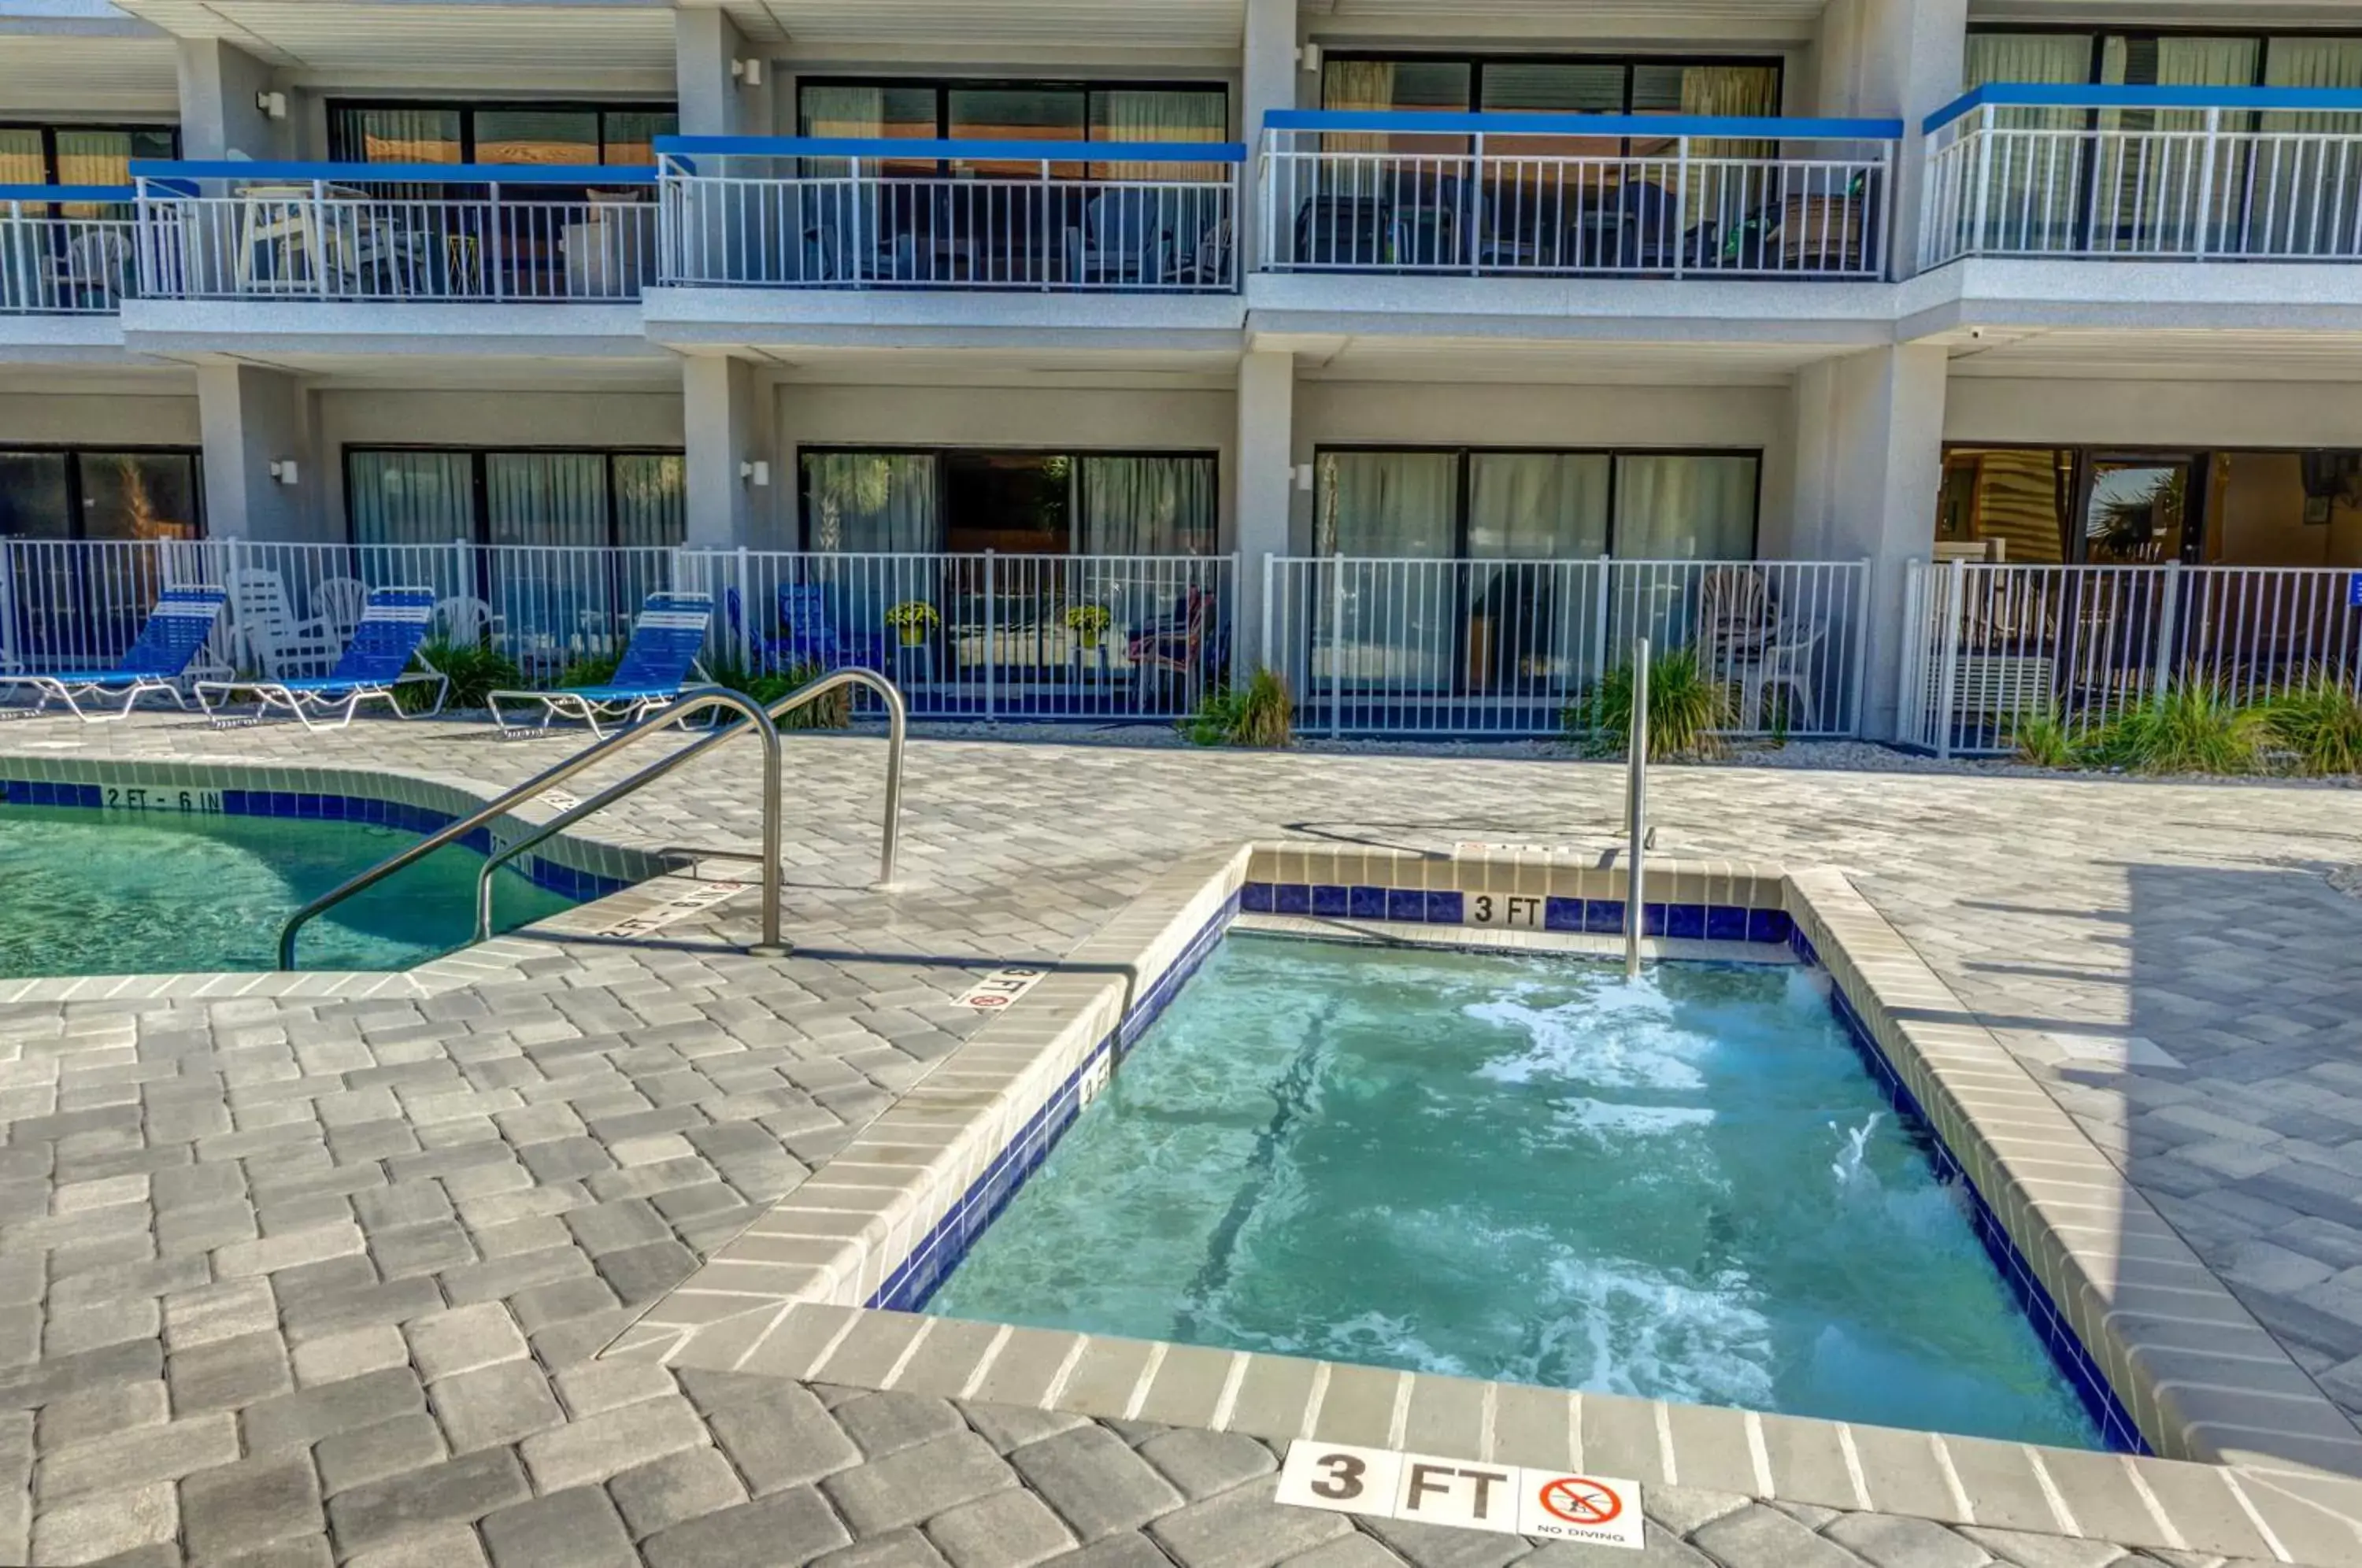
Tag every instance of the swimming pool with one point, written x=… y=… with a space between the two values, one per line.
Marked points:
x=122 y=893
x=1523 y=1168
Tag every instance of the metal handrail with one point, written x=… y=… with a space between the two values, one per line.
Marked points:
x=697 y=700
x=1636 y=813
x=897 y=721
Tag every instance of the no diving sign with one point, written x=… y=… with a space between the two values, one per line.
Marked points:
x=1507 y=1499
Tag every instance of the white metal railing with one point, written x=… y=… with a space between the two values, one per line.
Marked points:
x=1988 y=648
x=2144 y=173
x=1509 y=647
x=365 y=232
x=986 y=635
x=55 y=265
x=292 y=607
x=1499 y=194
x=782 y=212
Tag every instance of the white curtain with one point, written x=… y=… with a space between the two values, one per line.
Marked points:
x=2307 y=184
x=1389 y=503
x=1147 y=507
x=651 y=498
x=870 y=502
x=412 y=498
x=2036 y=182
x=1542 y=517
x=1131 y=114
x=1684 y=508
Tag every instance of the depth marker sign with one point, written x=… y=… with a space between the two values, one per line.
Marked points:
x=1505 y=1500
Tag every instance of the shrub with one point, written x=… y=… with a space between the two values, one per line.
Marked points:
x=2321 y=722
x=598 y=669
x=2043 y=739
x=1261 y=713
x=833 y=712
x=2195 y=727
x=474 y=670
x=1686 y=708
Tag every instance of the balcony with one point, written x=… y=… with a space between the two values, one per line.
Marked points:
x=1520 y=196
x=375 y=234
x=824 y=212
x=2145 y=174
x=53 y=265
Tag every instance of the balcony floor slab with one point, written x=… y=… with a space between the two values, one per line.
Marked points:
x=197 y=328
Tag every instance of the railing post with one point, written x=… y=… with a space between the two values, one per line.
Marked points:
x=495 y=252
x=1858 y=658
x=2168 y=611
x=1475 y=182
x=1985 y=181
x=463 y=579
x=1635 y=814
x=9 y=657
x=2207 y=152
x=1266 y=196
x=1955 y=600
x=1601 y=603
x=992 y=632
x=1263 y=634
x=1045 y=198
x=1888 y=193
x=745 y=615
x=1681 y=201
x=1334 y=566
x=320 y=236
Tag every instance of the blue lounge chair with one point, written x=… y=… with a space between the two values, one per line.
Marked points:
x=665 y=641
x=184 y=618
x=808 y=633
x=393 y=625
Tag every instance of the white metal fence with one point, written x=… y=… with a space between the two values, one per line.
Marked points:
x=2157 y=184
x=65 y=266
x=1704 y=206
x=78 y=605
x=988 y=635
x=1989 y=649
x=318 y=241
x=1508 y=647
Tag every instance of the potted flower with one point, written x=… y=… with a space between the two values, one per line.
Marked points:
x=913 y=618
x=1089 y=622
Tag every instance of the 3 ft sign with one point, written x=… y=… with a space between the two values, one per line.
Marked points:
x=1000 y=987
x=1505 y=1500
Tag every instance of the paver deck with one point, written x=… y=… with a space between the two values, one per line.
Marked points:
x=301 y=1279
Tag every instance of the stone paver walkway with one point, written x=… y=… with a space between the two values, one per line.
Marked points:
x=291 y=1282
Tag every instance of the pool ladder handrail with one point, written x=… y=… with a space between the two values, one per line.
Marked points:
x=1636 y=813
x=897 y=723
x=695 y=699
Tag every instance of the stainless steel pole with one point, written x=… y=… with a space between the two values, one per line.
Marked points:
x=1635 y=813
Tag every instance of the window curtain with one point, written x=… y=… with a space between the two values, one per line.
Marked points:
x=545 y=497
x=1130 y=114
x=1389 y=505
x=651 y=500
x=1356 y=86
x=849 y=111
x=2306 y=193
x=1549 y=513
x=396 y=136
x=1388 y=625
x=1720 y=193
x=1147 y=507
x=2147 y=185
x=138 y=495
x=20 y=158
x=410 y=498
x=2036 y=182
x=870 y=502
x=1684 y=508
x=627 y=137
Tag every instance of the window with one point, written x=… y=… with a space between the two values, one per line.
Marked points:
x=82 y=155
x=93 y=493
x=1558 y=85
x=530 y=135
x=967 y=501
x=1473 y=504
x=612 y=500
x=1017 y=111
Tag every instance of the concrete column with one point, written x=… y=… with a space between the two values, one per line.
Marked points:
x=1266 y=482
x=249 y=418
x=218 y=119
x=1869 y=462
x=729 y=412
x=1267 y=82
x=1898 y=58
x=714 y=102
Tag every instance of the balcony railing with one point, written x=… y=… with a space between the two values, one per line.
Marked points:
x=1509 y=647
x=1989 y=649
x=1556 y=195
x=394 y=232
x=806 y=212
x=53 y=265
x=2144 y=173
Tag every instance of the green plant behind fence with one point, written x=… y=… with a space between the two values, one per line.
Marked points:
x=1260 y=714
x=474 y=671
x=2195 y=727
x=1687 y=709
x=2320 y=723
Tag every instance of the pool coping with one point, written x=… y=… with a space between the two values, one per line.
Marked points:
x=2250 y=1460
x=652 y=882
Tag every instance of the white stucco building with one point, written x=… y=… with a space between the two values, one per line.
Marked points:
x=1425 y=352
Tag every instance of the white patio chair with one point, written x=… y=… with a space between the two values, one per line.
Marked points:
x=1785 y=660
x=340 y=601
x=274 y=640
x=466 y=621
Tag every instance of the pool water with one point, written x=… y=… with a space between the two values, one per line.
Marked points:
x=85 y=893
x=1528 y=1169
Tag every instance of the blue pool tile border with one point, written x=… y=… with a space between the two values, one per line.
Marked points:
x=915 y=1280
x=1598 y=917
x=932 y=1260
x=2117 y=1429
x=568 y=881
